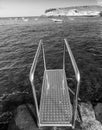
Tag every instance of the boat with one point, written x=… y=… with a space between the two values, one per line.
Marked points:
x=57 y=20
x=25 y=19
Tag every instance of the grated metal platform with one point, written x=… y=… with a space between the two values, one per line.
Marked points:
x=55 y=105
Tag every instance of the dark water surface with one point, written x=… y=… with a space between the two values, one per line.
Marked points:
x=18 y=44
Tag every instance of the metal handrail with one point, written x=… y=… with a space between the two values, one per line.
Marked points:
x=64 y=57
x=44 y=56
x=77 y=75
x=31 y=76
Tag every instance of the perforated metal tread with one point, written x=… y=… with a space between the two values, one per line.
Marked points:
x=55 y=106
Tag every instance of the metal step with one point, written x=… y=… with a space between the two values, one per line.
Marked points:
x=55 y=105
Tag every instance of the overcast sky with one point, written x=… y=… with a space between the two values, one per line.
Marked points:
x=9 y=8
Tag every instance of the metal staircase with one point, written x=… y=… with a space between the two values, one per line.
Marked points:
x=55 y=106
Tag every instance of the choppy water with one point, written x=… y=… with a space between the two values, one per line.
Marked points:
x=18 y=44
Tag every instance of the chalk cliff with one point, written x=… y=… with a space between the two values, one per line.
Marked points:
x=74 y=11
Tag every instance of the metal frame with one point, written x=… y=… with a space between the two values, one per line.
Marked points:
x=32 y=71
x=54 y=125
x=77 y=75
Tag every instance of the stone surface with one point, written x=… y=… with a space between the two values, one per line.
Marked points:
x=87 y=112
x=98 y=112
x=23 y=119
x=88 y=117
x=92 y=125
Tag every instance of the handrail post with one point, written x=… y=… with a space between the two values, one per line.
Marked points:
x=77 y=74
x=64 y=58
x=31 y=77
x=43 y=56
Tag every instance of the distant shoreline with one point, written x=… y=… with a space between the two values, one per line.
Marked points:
x=75 y=11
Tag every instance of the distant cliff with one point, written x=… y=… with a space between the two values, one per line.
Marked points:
x=74 y=11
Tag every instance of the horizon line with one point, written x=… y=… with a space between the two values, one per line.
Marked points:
x=47 y=9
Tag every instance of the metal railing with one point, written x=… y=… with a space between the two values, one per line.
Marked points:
x=77 y=75
x=32 y=71
x=31 y=76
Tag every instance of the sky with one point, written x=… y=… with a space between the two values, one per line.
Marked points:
x=13 y=8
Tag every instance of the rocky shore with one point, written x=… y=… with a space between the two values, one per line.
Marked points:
x=18 y=113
